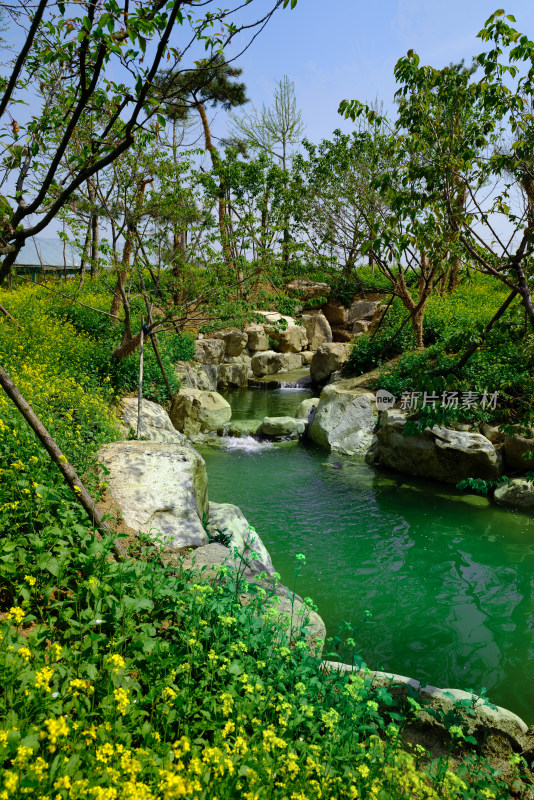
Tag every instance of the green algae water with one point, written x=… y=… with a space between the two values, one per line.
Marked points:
x=448 y=578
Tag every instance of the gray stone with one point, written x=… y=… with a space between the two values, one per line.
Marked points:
x=518 y=493
x=328 y=358
x=308 y=290
x=336 y=313
x=306 y=406
x=257 y=338
x=341 y=335
x=209 y=351
x=197 y=376
x=278 y=426
x=233 y=375
x=363 y=309
x=234 y=341
x=291 y=340
x=515 y=452
x=266 y=363
x=160 y=489
x=345 y=419
x=492 y=433
x=360 y=326
x=318 y=330
x=244 y=427
x=478 y=718
x=269 y=363
x=294 y=618
x=196 y=411
x=156 y=425
x=439 y=453
x=229 y=519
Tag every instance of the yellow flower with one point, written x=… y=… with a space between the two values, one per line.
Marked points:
x=56 y=728
x=25 y=653
x=122 y=700
x=116 y=662
x=43 y=678
x=30 y=579
x=16 y=613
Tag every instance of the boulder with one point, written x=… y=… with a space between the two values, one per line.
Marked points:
x=196 y=411
x=439 y=453
x=160 y=489
x=273 y=318
x=306 y=357
x=234 y=341
x=233 y=375
x=306 y=406
x=328 y=358
x=360 y=326
x=156 y=425
x=243 y=427
x=518 y=493
x=318 y=330
x=266 y=363
x=492 y=433
x=229 y=519
x=269 y=363
x=362 y=309
x=345 y=419
x=335 y=312
x=197 y=376
x=515 y=450
x=257 y=338
x=278 y=426
x=341 y=335
x=291 y=340
x=498 y=731
x=308 y=290
x=209 y=351
x=291 y=361
x=294 y=618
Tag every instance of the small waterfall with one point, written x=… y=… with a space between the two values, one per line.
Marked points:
x=246 y=443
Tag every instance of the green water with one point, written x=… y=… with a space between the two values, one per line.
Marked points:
x=448 y=579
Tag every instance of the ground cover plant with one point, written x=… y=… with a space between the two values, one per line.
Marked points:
x=133 y=679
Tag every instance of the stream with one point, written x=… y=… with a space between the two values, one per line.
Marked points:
x=437 y=584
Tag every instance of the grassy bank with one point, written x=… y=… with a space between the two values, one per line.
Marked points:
x=132 y=680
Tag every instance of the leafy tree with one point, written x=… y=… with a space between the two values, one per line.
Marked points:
x=77 y=52
x=466 y=189
x=274 y=130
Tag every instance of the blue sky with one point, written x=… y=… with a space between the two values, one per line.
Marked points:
x=348 y=49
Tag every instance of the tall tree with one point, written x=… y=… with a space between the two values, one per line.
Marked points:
x=274 y=129
x=211 y=83
x=75 y=49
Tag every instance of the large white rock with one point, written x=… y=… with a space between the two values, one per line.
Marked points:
x=234 y=341
x=328 y=358
x=291 y=340
x=161 y=489
x=318 y=329
x=363 y=309
x=209 y=351
x=345 y=419
x=156 y=425
x=306 y=406
x=257 y=338
x=518 y=493
x=281 y=426
x=196 y=411
x=439 y=453
x=233 y=375
x=229 y=519
x=197 y=376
